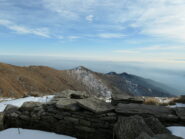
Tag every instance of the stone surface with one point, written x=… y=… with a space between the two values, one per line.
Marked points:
x=72 y=94
x=166 y=136
x=144 y=135
x=1 y=121
x=95 y=105
x=91 y=118
x=119 y=98
x=180 y=113
x=11 y=108
x=30 y=105
x=131 y=127
x=54 y=117
x=67 y=104
x=156 y=126
x=159 y=136
x=161 y=112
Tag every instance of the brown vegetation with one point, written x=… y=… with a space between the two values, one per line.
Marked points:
x=34 y=80
x=159 y=101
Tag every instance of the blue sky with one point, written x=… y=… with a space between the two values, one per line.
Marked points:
x=104 y=30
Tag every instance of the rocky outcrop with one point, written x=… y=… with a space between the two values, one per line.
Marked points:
x=130 y=127
x=1 y=121
x=144 y=135
x=89 y=118
x=88 y=121
x=164 y=114
x=120 y=98
x=181 y=113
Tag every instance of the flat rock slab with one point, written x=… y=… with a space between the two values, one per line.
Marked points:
x=120 y=98
x=30 y=105
x=180 y=113
x=72 y=94
x=159 y=136
x=160 y=112
x=95 y=105
x=67 y=104
x=131 y=127
x=1 y=121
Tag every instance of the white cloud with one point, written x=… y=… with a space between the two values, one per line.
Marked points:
x=111 y=35
x=161 y=18
x=90 y=18
x=43 y=32
x=152 y=49
x=69 y=9
x=73 y=37
x=60 y=37
x=127 y=51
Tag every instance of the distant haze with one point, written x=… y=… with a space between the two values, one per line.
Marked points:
x=171 y=75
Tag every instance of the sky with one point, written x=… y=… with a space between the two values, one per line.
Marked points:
x=101 y=30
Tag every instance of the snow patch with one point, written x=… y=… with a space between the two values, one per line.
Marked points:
x=14 y=133
x=177 y=105
x=20 y=101
x=177 y=131
x=93 y=84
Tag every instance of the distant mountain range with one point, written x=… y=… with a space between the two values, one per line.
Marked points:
x=18 y=81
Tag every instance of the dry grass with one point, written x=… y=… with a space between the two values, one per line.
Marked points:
x=151 y=101
x=24 y=81
x=159 y=101
x=180 y=99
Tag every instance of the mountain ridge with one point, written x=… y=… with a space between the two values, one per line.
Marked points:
x=19 y=81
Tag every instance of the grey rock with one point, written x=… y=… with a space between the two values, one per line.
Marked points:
x=121 y=98
x=166 y=136
x=161 y=112
x=131 y=127
x=73 y=120
x=95 y=105
x=144 y=135
x=10 y=108
x=68 y=104
x=158 y=136
x=180 y=111
x=156 y=126
x=1 y=121
x=30 y=105
x=72 y=94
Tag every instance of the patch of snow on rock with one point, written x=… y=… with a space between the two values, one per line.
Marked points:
x=177 y=131
x=20 y=101
x=93 y=84
x=14 y=133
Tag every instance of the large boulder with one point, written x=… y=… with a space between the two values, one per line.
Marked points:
x=29 y=106
x=1 y=121
x=11 y=108
x=144 y=135
x=131 y=127
x=159 y=136
x=95 y=105
x=180 y=111
x=156 y=126
x=67 y=104
x=72 y=94
x=166 y=136
x=164 y=114
x=121 y=98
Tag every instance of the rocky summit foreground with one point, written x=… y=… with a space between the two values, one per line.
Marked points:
x=84 y=117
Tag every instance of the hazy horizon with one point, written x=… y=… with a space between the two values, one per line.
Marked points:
x=141 y=37
x=171 y=76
